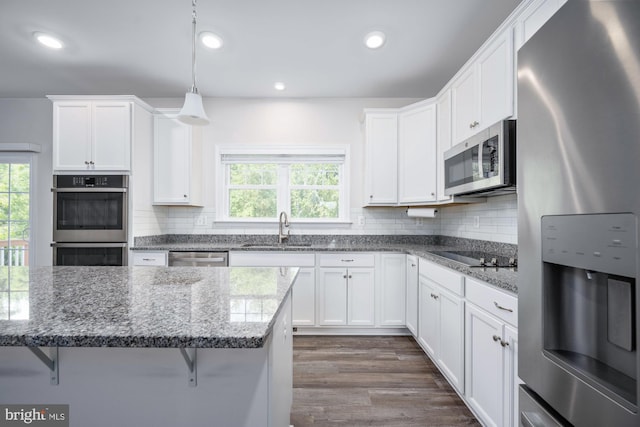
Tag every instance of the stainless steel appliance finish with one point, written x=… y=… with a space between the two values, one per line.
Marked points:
x=198 y=259
x=578 y=172
x=90 y=254
x=90 y=208
x=484 y=164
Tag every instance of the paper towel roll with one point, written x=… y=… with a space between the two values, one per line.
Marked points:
x=422 y=212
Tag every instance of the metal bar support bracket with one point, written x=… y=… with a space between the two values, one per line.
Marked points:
x=190 y=356
x=50 y=362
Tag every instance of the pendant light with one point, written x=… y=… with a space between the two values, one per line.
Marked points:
x=192 y=112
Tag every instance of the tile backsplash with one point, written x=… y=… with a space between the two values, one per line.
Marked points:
x=494 y=220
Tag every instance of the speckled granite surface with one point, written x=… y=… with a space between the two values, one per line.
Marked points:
x=149 y=307
x=423 y=246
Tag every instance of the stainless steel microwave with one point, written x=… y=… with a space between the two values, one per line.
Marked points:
x=484 y=164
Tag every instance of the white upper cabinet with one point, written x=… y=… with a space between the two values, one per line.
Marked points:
x=533 y=18
x=92 y=135
x=177 y=171
x=417 y=154
x=381 y=158
x=465 y=106
x=443 y=125
x=483 y=94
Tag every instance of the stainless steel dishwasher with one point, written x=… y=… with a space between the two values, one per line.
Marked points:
x=198 y=259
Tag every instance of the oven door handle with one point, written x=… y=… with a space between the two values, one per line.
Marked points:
x=88 y=245
x=89 y=190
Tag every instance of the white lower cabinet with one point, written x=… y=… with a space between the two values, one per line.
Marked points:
x=412 y=295
x=156 y=258
x=390 y=290
x=441 y=329
x=304 y=298
x=491 y=356
x=346 y=296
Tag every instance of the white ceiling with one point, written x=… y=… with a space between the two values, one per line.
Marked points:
x=143 y=47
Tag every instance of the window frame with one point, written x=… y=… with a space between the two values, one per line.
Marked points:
x=262 y=154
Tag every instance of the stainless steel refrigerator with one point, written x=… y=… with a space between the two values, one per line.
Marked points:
x=578 y=206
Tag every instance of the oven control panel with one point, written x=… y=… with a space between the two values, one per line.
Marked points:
x=90 y=181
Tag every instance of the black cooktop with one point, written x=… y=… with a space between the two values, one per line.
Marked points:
x=478 y=258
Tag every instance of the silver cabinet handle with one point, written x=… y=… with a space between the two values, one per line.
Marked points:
x=413 y=265
x=346 y=260
x=350 y=277
x=496 y=338
x=184 y=195
x=147 y=259
x=86 y=162
x=344 y=277
x=504 y=343
x=91 y=162
x=498 y=306
x=434 y=296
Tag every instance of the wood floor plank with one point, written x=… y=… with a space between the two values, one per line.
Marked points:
x=370 y=381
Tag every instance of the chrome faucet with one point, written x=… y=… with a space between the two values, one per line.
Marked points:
x=282 y=224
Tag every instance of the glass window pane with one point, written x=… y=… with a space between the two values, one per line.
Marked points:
x=18 y=305
x=19 y=231
x=20 y=177
x=315 y=203
x=4 y=277
x=253 y=174
x=19 y=206
x=4 y=177
x=315 y=174
x=4 y=305
x=252 y=203
x=4 y=206
x=19 y=277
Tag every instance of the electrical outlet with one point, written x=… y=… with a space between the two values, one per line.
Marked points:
x=419 y=221
x=201 y=220
x=361 y=220
x=476 y=222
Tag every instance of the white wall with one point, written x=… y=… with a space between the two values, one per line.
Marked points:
x=284 y=122
x=31 y=120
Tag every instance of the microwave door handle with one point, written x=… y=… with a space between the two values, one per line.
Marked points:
x=480 y=161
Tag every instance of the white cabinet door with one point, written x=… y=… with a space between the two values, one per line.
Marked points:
x=111 y=135
x=412 y=295
x=450 y=355
x=92 y=135
x=443 y=125
x=484 y=360
x=417 y=155
x=381 y=168
x=332 y=296
x=71 y=135
x=465 y=114
x=281 y=368
x=304 y=298
x=177 y=163
x=391 y=289
x=495 y=68
x=149 y=259
x=534 y=17
x=361 y=296
x=428 y=317
x=512 y=381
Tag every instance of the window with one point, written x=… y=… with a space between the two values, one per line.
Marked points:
x=14 y=238
x=309 y=185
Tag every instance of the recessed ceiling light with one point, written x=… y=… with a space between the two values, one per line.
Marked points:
x=48 y=40
x=374 y=39
x=279 y=86
x=211 y=40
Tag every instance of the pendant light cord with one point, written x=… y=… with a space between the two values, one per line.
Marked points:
x=194 y=89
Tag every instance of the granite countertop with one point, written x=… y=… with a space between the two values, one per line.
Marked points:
x=503 y=278
x=231 y=307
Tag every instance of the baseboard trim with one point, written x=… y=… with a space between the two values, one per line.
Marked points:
x=303 y=330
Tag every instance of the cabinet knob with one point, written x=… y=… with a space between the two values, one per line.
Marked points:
x=344 y=277
x=86 y=162
x=504 y=343
x=433 y=194
x=350 y=276
x=371 y=196
x=91 y=162
x=496 y=338
x=413 y=265
x=184 y=195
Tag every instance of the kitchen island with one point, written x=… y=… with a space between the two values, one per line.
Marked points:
x=150 y=345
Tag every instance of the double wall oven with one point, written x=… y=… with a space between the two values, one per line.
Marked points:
x=90 y=220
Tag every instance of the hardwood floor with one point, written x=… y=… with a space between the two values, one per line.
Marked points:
x=370 y=381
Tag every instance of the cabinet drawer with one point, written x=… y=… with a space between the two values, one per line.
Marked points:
x=448 y=279
x=346 y=260
x=497 y=302
x=149 y=258
x=271 y=259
